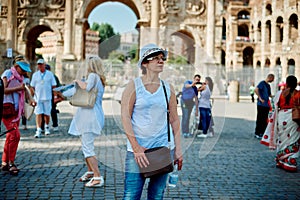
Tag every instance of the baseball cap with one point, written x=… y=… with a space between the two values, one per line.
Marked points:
x=24 y=66
x=40 y=61
x=148 y=50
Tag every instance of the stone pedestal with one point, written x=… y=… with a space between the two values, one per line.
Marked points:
x=234 y=91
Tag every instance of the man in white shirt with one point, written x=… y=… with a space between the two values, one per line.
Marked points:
x=42 y=83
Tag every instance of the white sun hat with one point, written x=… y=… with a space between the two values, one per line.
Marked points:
x=148 y=50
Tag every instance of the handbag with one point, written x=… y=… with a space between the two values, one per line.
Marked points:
x=9 y=110
x=28 y=109
x=159 y=157
x=83 y=98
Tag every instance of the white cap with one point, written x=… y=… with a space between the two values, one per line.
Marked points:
x=40 y=61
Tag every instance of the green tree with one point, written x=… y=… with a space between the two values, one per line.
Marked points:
x=114 y=55
x=133 y=53
x=109 y=40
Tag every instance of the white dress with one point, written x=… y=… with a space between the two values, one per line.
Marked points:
x=89 y=120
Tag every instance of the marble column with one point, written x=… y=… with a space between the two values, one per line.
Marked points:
x=11 y=24
x=154 y=21
x=210 y=29
x=68 y=30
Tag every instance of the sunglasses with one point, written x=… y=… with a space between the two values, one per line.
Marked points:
x=157 y=58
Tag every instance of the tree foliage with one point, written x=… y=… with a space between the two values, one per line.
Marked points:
x=109 y=40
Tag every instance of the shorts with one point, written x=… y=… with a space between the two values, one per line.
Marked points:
x=87 y=141
x=43 y=107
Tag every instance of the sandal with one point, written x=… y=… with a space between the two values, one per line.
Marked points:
x=4 y=168
x=86 y=176
x=13 y=170
x=90 y=183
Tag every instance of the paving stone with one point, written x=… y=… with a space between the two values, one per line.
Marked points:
x=231 y=165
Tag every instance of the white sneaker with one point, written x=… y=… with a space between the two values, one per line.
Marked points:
x=37 y=134
x=210 y=134
x=47 y=131
x=55 y=129
x=202 y=136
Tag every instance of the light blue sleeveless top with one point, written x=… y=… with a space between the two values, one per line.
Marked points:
x=149 y=117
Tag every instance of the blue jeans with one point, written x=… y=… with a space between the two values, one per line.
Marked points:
x=186 y=114
x=134 y=182
x=205 y=118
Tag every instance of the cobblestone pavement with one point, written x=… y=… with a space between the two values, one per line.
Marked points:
x=230 y=165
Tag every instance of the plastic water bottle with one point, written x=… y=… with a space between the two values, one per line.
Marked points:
x=173 y=177
x=83 y=78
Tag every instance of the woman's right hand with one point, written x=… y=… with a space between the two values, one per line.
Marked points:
x=140 y=156
x=21 y=87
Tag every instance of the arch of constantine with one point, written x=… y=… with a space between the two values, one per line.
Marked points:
x=235 y=34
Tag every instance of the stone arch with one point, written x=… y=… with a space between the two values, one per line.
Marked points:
x=188 y=46
x=135 y=5
x=259 y=31
x=267 y=62
x=291 y=66
x=279 y=29
x=84 y=11
x=268 y=9
x=293 y=27
x=243 y=30
x=278 y=61
x=45 y=23
x=258 y=64
x=223 y=29
x=244 y=14
x=248 y=57
x=223 y=58
x=30 y=33
x=268 y=31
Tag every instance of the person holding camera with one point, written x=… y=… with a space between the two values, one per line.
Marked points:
x=189 y=99
x=205 y=107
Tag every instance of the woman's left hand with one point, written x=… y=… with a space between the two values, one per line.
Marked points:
x=178 y=159
x=140 y=157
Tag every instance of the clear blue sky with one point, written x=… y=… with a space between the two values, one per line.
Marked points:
x=118 y=15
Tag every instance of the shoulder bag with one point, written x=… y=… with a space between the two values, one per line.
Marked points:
x=28 y=109
x=83 y=98
x=159 y=157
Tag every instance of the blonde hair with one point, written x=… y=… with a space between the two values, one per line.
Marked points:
x=95 y=65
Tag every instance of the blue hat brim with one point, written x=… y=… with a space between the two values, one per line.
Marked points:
x=24 y=66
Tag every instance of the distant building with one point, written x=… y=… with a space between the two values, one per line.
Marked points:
x=48 y=51
x=92 y=43
x=261 y=34
x=128 y=40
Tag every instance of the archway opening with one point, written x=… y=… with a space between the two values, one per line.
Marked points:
x=182 y=46
x=279 y=29
x=248 y=57
x=293 y=27
x=291 y=66
x=268 y=31
x=32 y=42
x=124 y=37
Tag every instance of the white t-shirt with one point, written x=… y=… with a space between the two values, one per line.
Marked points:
x=42 y=83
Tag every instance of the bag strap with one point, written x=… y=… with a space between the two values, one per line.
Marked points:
x=168 y=111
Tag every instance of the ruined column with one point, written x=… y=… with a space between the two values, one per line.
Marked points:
x=210 y=29
x=154 y=21
x=68 y=30
x=11 y=24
